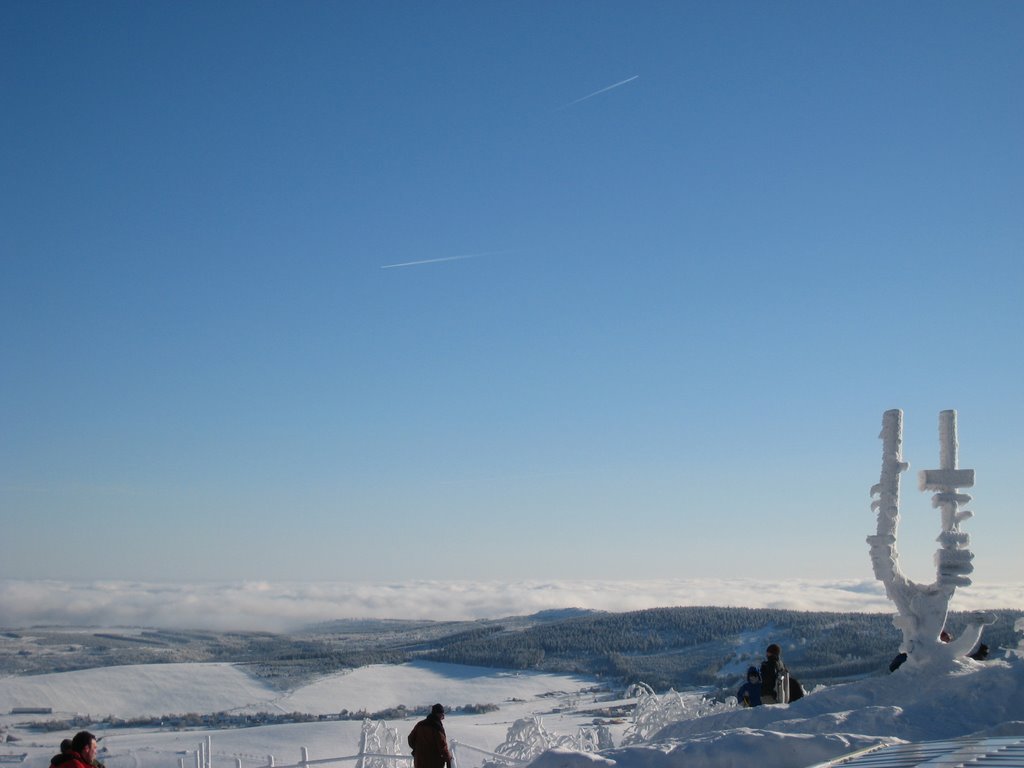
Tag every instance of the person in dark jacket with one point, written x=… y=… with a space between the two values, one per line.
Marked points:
x=429 y=742
x=771 y=668
x=63 y=756
x=749 y=694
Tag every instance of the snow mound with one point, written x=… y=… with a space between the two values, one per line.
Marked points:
x=567 y=758
x=743 y=747
x=918 y=704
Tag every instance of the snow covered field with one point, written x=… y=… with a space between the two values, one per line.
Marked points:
x=176 y=688
x=914 y=704
x=179 y=688
x=136 y=691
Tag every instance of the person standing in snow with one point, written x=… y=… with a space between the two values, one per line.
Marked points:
x=429 y=742
x=774 y=677
x=749 y=694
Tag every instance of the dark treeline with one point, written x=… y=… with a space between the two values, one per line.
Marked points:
x=681 y=647
x=245 y=720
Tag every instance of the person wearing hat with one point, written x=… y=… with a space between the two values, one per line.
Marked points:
x=749 y=694
x=429 y=742
x=772 y=669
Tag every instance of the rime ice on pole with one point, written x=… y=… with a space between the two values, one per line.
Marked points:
x=953 y=560
x=922 y=608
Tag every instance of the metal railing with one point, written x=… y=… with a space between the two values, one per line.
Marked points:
x=204 y=757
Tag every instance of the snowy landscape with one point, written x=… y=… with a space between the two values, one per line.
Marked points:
x=523 y=357
x=913 y=704
x=561 y=721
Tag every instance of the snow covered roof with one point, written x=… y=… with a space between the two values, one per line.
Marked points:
x=950 y=753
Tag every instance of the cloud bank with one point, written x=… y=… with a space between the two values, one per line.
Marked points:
x=286 y=606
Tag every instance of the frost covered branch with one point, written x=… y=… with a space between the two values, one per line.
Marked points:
x=654 y=712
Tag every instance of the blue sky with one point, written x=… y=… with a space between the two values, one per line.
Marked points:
x=688 y=298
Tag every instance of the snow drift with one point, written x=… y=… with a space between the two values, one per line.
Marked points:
x=912 y=704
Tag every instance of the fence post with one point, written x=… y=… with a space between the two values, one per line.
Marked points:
x=238 y=762
x=305 y=756
x=362 y=747
x=455 y=763
x=209 y=751
x=199 y=757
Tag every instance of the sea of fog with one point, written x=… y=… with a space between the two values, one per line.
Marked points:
x=285 y=606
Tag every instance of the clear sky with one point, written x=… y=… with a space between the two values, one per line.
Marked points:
x=503 y=290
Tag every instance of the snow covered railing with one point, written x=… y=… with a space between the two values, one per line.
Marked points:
x=458 y=746
x=378 y=748
x=377 y=736
x=305 y=761
x=363 y=759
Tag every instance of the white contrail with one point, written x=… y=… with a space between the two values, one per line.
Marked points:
x=603 y=90
x=443 y=258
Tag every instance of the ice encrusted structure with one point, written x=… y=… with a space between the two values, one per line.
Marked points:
x=654 y=712
x=376 y=741
x=527 y=738
x=922 y=608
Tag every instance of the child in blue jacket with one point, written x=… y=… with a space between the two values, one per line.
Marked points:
x=749 y=694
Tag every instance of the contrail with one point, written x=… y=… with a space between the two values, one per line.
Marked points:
x=603 y=90
x=443 y=258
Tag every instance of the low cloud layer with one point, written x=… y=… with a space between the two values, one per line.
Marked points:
x=284 y=606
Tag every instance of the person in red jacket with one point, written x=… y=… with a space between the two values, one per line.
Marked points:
x=82 y=753
x=429 y=743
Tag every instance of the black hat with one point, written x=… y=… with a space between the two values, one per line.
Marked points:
x=437 y=709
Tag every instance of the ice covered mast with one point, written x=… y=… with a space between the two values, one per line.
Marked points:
x=922 y=608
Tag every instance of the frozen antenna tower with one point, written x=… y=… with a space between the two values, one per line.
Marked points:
x=922 y=608
x=953 y=559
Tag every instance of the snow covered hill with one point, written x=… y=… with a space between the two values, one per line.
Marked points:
x=136 y=691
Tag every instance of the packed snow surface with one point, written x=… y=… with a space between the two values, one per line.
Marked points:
x=137 y=691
